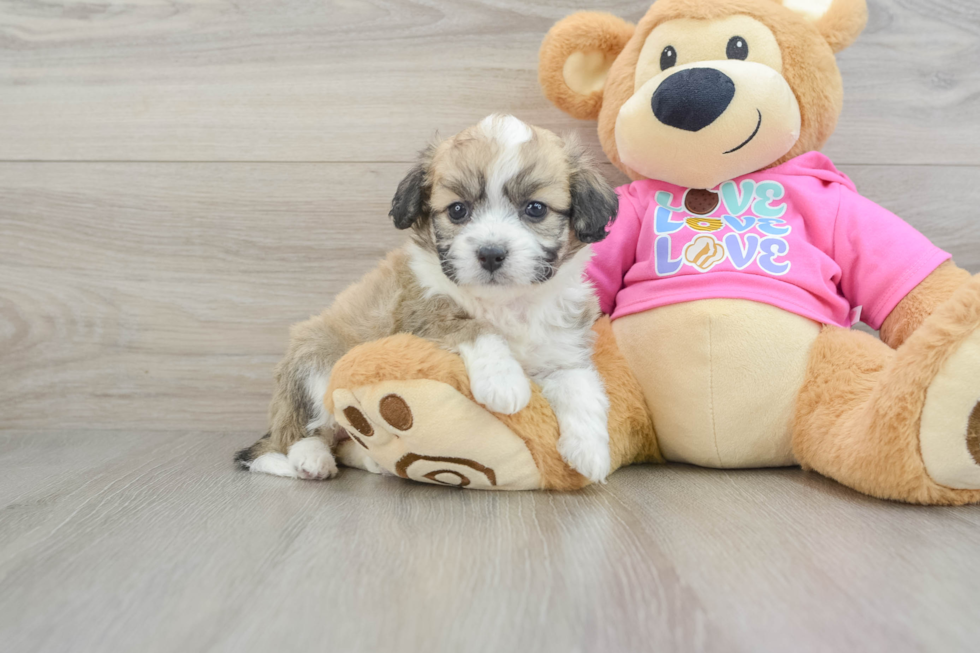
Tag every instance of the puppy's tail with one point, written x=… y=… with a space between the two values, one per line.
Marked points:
x=245 y=457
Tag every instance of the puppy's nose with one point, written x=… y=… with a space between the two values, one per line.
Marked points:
x=693 y=98
x=491 y=257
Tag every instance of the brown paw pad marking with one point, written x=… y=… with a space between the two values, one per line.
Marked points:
x=359 y=421
x=973 y=434
x=442 y=474
x=448 y=477
x=700 y=202
x=396 y=412
x=344 y=433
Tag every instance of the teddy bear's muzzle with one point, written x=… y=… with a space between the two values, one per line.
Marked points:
x=697 y=125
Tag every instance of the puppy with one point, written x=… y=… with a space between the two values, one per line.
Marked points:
x=501 y=215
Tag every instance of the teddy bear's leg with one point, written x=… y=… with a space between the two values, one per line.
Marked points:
x=898 y=424
x=408 y=409
x=407 y=406
x=349 y=454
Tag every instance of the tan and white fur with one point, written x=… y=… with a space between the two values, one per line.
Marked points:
x=501 y=215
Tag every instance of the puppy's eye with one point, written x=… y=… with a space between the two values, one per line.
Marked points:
x=668 y=58
x=457 y=212
x=738 y=48
x=535 y=210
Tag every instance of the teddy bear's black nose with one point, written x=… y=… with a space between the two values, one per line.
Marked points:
x=693 y=98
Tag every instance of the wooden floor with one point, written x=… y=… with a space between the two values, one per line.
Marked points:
x=181 y=181
x=148 y=541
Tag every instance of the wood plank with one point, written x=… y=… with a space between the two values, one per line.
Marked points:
x=165 y=547
x=159 y=295
x=798 y=560
x=911 y=86
x=367 y=81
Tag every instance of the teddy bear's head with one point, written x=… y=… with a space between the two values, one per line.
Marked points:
x=702 y=91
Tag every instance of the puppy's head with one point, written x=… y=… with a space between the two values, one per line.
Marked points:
x=503 y=203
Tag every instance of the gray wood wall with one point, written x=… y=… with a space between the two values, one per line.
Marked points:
x=181 y=181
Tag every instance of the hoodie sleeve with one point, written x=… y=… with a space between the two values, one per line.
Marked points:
x=882 y=257
x=615 y=255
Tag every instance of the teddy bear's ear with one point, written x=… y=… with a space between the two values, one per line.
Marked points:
x=575 y=58
x=839 y=21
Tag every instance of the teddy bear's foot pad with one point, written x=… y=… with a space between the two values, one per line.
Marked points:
x=351 y=454
x=950 y=427
x=973 y=434
x=427 y=431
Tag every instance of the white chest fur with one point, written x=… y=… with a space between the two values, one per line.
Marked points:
x=542 y=324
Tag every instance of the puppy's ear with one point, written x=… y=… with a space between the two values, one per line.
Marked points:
x=594 y=204
x=411 y=201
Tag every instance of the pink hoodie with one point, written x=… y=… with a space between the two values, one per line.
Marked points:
x=797 y=236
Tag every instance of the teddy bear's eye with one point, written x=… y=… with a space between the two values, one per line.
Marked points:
x=668 y=58
x=737 y=48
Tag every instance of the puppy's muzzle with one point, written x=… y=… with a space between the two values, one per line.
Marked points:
x=491 y=257
x=692 y=99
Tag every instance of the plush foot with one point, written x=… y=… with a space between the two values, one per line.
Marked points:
x=312 y=460
x=428 y=431
x=349 y=454
x=950 y=428
x=973 y=434
x=412 y=408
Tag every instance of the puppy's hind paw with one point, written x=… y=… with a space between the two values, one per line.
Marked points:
x=273 y=463
x=312 y=460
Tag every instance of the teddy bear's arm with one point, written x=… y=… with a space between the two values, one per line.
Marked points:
x=921 y=302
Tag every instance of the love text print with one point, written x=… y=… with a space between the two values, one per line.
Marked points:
x=749 y=230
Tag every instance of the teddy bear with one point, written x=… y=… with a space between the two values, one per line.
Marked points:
x=738 y=263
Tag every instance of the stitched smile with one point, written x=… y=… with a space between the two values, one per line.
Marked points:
x=750 y=137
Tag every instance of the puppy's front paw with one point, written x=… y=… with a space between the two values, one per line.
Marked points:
x=579 y=400
x=312 y=460
x=496 y=379
x=500 y=385
x=586 y=451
